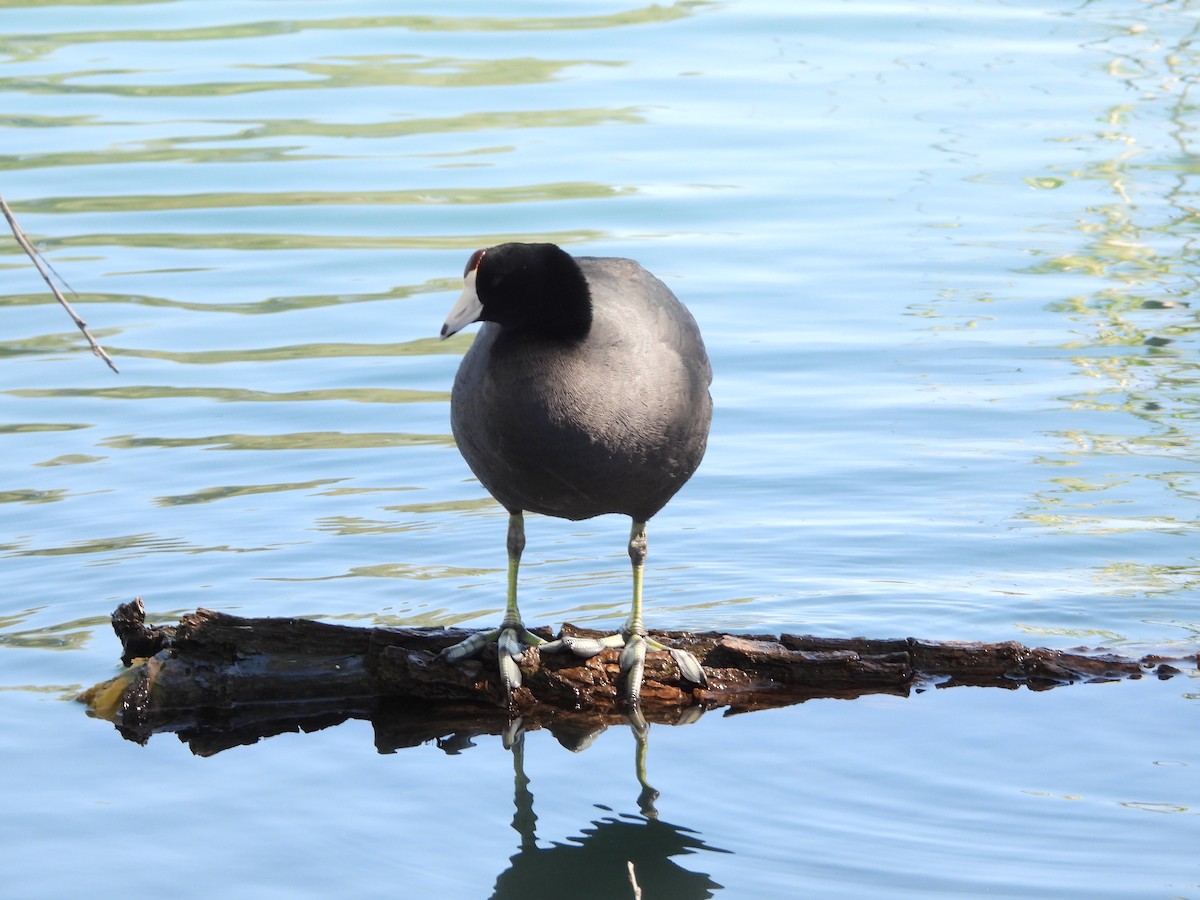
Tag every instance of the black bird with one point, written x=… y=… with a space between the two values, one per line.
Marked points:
x=585 y=392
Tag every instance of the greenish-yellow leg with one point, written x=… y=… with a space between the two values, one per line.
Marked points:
x=511 y=638
x=632 y=637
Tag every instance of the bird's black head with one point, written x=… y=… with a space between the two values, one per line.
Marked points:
x=531 y=288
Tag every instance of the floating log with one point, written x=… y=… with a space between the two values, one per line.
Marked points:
x=219 y=680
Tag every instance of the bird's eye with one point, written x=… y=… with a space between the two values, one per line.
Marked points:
x=473 y=262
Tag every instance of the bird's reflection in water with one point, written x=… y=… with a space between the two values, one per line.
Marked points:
x=616 y=856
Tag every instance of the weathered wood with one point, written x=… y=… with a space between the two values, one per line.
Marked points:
x=219 y=680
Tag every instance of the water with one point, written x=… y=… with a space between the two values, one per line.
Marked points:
x=943 y=258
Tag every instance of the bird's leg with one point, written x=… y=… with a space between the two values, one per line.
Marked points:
x=512 y=637
x=632 y=636
x=633 y=657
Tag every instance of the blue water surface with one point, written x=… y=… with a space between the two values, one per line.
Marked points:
x=943 y=256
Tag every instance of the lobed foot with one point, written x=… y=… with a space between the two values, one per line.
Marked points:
x=634 y=644
x=511 y=640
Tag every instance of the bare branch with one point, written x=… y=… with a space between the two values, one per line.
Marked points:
x=44 y=269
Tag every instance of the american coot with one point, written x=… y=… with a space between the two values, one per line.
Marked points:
x=585 y=392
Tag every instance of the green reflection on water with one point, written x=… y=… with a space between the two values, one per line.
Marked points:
x=430 y=346
x=140 y=203
x=1084 y=524
x=71 y=459
x=389 y=71
x=1079 y=634
x=73 y=635
x=305 y=440
x=395 y=570
x=1136 y=242
x=356 y=525
x=58 y=342
x=34 y=45
x=1173 y=443
x=143 y=543
x=33 y=427
x=269 y=241
x=434 y=618
x=1128 y=252
x=1151 y=578
x=30 y=495
x=479 y=503
x=347 y=525
x=253 y=307
x=237 y=395
x=356 y=491
x=184 y=149
x=224 y=492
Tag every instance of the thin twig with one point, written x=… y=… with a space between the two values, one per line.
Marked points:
x=633 y=882
x=42 y=267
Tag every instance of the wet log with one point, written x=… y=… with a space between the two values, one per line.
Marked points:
x=220 y=680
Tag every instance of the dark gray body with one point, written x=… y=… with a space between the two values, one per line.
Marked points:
x=615 y=423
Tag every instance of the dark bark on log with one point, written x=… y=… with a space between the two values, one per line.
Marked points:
x=220 y=680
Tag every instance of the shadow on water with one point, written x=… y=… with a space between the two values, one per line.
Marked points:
x=623 y=855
